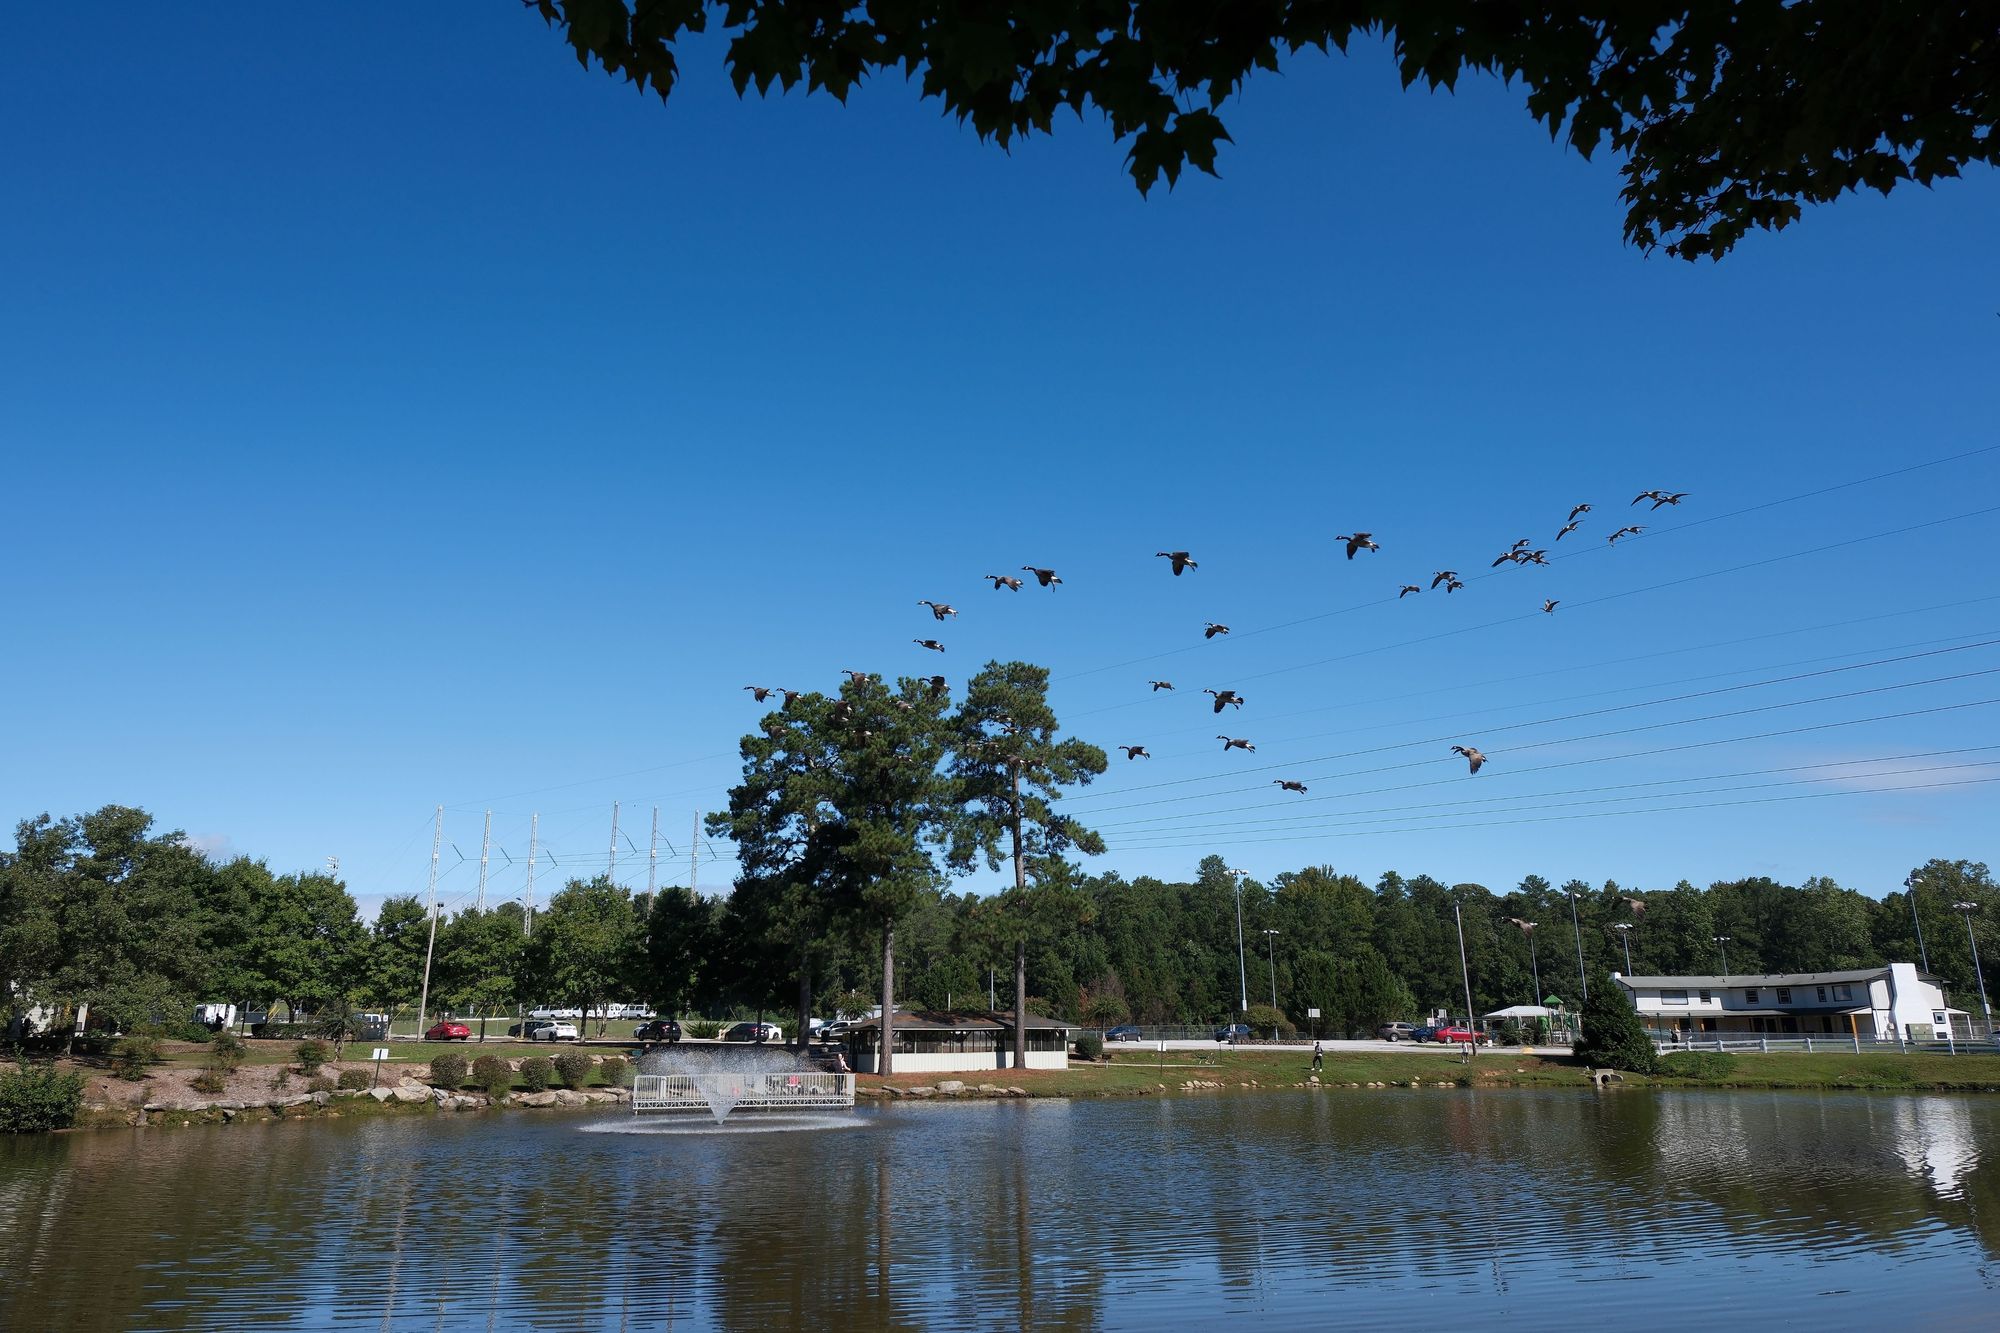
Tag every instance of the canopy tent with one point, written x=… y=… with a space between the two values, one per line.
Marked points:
x=1521 y=1011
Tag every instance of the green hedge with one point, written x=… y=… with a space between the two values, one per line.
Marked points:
x=37 y=1098
x=1707 y=1066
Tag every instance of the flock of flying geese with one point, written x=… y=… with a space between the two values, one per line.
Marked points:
x=1522 y=552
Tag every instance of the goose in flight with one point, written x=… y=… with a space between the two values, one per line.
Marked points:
x=1236 y=743
x=1443 y=576
x=1638 y=905
x=1632 y=530
x=1452 y=585
x=939 y=610
x=1578 y=511
x=1007 y=581
x=1289 y=785
x=936 y=685
x=931 y=644
x=1046 y=577
x=760 y=692
x=1159 y=685
x=858 y=676
x=1213 y=630
x=1568 y=528
x=1406 y=590
x=1549 y=605
x=1181 y=560
x=1225 y=697
x=1673 y=499
x=1135 y=752
x=1359 y=541
x=1473 y=758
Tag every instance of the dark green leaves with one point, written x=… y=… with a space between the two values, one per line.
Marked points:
x=1731 y=114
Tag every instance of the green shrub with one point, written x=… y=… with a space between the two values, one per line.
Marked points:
x=321 y=1083
x=354 y=1080
x=1090 y=1046
x=283 y=1077
x=538 y=1071
x=492 y=1075
x=1263 y=1019
x=1612 y=1034
x=227 y=1052
x=311 y=1054
x=133 y=1055
x=615 y=1072
x=37 y=1098
x=447 y=1071
x=1706 y=1066
x=574 y=1067
x=210 y=1080
x=701 y=1028
x=183 y=1029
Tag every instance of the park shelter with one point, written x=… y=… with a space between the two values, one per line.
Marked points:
x=957 y=1041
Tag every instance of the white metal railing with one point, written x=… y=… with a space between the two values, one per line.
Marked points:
x=1829 y=1041
x=722 y=1093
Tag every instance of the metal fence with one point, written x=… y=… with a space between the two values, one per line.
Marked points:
x=721 y=1093
x=1979 y=1043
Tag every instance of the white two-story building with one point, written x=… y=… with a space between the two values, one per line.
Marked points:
x=1875 y=1003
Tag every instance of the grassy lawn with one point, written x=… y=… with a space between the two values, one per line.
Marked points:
x=1133 y=1073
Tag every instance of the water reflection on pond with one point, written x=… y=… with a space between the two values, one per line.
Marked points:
x=1401 y=1209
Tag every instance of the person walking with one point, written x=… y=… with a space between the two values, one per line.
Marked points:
x=1317 y=1057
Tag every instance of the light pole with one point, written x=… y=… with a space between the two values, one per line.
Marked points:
x=1723 y=942
x=1272 y=936
x=1575 y=925
x=1966 y=910
x=1910 y=892
x=1624 y=929
x=1534 y=964
x=1464 y=972
x=1242 y=975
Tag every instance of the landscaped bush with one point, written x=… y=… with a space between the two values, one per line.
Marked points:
x=615 y=1072
x=311 y=1054
x=1089 y=1046
x=702 y=1028
x=37 y=1098
x=1612 y=1034
x=283 y=1077
x=447 y=1071
x=321 y=1083
x=184 y=1029
x=210 y=1080
x=1708 y=1066
x=133 y=1055
x=227 y=1052
x=493 y=1075
x=353 y=1080
x=1262 y=1019
x=538 y=1071
x=574 y=1067
x=281 y=1031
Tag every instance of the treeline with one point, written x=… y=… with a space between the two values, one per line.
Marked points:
x=102 y=910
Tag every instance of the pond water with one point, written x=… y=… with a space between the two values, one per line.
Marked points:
x=1414 y=1209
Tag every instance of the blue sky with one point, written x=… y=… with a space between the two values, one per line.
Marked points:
x=396 y=415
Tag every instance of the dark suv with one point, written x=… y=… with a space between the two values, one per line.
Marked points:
x=1233 y=1032
x=660 y=1029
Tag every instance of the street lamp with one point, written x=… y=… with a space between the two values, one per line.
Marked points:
x=1242 y=975
x=1577 y=926
x=1723 y=942
x=1966 y=910
x=1272 y=935
x=1534 y=964
x=1624 y=929
x=1910 y=892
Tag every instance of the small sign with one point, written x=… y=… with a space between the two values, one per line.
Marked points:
x=1312 y=1013
x=381 y=1053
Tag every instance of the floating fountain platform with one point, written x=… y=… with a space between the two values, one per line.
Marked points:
x=718 y=1092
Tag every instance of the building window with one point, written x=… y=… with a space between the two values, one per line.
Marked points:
x=1843 y=991
x=1673 y=997
x=1705 y=998
x=1937 y=1017
x=1749 y=995
x=1784 y=995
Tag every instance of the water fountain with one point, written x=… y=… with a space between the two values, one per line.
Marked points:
x=726 y=1079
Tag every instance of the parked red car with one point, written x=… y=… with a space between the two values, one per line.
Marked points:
x=1453 y=1035
x=445 y=1030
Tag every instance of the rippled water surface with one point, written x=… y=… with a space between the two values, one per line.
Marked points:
x=1380 y=1209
